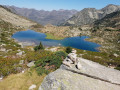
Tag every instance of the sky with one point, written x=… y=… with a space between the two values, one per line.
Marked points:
x=59 y=4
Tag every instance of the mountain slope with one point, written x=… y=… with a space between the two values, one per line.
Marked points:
x=44 y=17
x=89 y=15
x=110 y=20
x=14 y=19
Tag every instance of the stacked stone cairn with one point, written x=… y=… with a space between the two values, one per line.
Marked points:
x=72 y=60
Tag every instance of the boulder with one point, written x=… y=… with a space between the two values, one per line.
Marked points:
x=82 y=75
x=66 y=80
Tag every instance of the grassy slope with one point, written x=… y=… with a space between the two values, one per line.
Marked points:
x=21 y=81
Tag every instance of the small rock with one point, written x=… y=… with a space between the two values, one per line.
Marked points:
x=2 y=49
x=73 y=57
x=23 y=71
x=3 y=44
x=21 y=62
x=18 y=50
x=19 y=69
x=31 y=64
x=32 y=87
x=19 y=54
x=1 y=78
x=116 y=55
x=79 y=66
x=67 y=62
x=74 y=51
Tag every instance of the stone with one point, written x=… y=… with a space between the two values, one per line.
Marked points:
x=23 y=71
x=116 y=55
x=19 y=54
x=66 y=80
x=79 y=66
x=2 y=49
x=82 y=75
x=67 y=62
x=21 y=62
x=74 y=51
x=73 y=57
x=19 y=69
x=31 y=64
x=1 y=78
x=3 y=44
x=19 y=50
x=32 y=87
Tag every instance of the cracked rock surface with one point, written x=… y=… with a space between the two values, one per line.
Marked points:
x=82 y=75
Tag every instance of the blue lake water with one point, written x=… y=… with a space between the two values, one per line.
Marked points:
x=75 y=42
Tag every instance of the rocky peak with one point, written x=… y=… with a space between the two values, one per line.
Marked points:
x=110 y=9
x=81 y=74
x=89 y=15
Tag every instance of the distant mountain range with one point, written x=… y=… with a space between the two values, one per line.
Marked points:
x=44 y=17
x=89 y=15
x=65 y=17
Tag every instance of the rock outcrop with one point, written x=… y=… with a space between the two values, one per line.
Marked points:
x=81 y=74
x=89 y=15
x=111 y=20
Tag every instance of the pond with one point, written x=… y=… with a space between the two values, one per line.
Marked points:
x=36 y=37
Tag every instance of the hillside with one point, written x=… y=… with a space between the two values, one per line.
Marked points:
x=9 y=24
x=43 y=17
x=89 y=15
x=14 y=19
x=111 y=20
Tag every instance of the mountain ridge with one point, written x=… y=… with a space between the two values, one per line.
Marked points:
x=43 y=17
x=89 y=15
x=8 y=16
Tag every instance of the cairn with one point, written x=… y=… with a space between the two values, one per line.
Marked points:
x=72 y=60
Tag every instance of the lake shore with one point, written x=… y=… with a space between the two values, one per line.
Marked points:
x=32 y=38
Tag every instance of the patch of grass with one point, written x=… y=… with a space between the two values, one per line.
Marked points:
x=50 y=36
x=22 y=81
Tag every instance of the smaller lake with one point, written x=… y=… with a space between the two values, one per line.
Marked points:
x=36 y=37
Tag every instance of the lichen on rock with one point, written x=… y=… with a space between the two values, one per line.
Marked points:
x=81 y=74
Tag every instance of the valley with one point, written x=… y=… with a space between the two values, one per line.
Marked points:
x=30 y=64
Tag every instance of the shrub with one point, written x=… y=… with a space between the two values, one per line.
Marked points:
x=53 y=59
x=57 y=61
x=118 y=68
x=39 y=47
x=61 y=54
x=36 y=48
x=68 y=50
x=41 y=70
